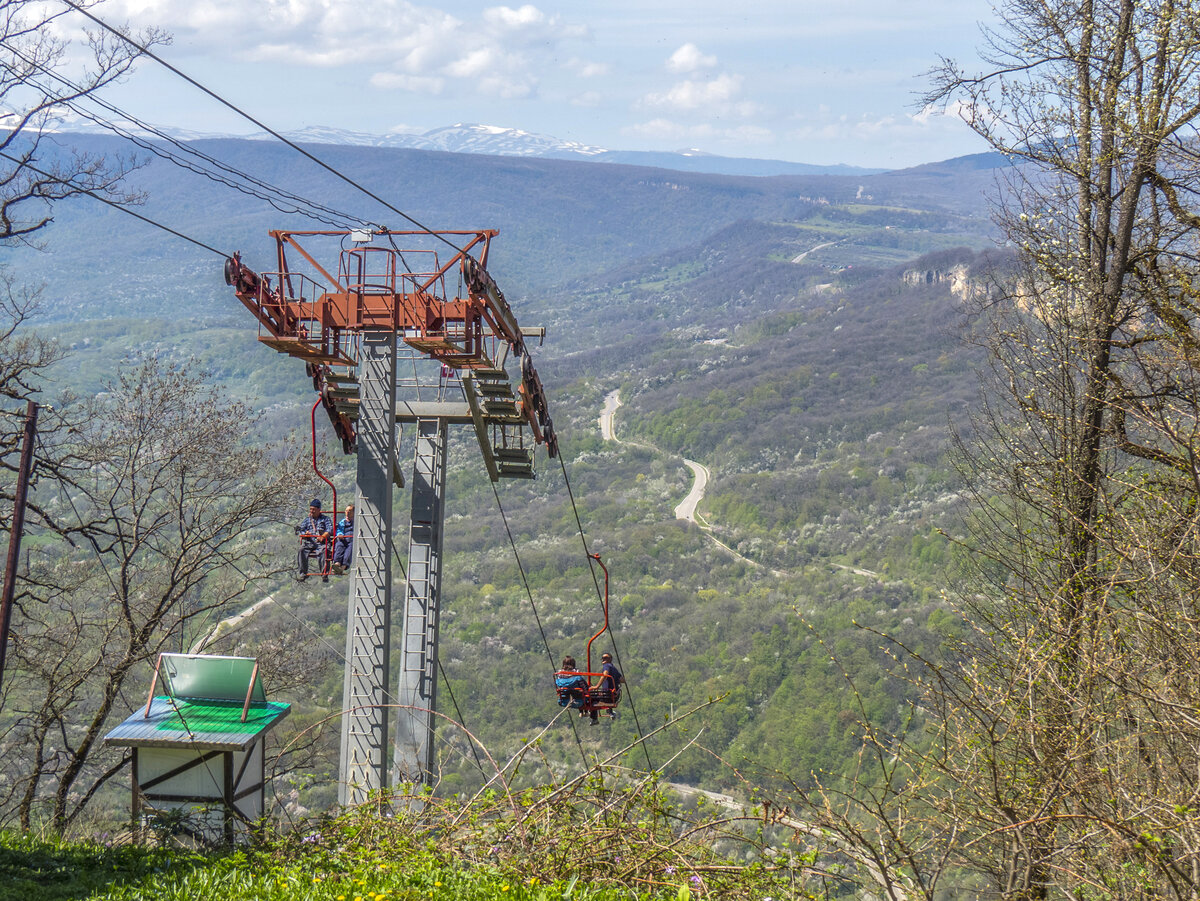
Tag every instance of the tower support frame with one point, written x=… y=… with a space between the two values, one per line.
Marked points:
x=416 y=692
x=364 y=747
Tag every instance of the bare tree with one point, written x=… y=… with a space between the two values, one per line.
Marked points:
x=41 y=72
x=1069 y=740
x=163 y=496
x=1062 y=745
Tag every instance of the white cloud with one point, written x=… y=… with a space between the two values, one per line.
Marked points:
x=499 y=52
x=529 y=25
x=877 y=129
x=957 y=109
x=588 y=99
x=587 y=68
x=507 y=17
x=415 y=84
x=692 y=95
x=688 y=58
x=681 y=132
x=474 y=63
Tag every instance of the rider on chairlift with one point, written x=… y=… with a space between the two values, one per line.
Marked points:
x=575 y=689
x=314 y=535
x=343 y=544
x=611 y=679
x=571 y=684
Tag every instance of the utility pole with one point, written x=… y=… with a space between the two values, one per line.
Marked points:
x=18 y=527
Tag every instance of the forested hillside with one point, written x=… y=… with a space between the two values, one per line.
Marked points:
x=797 y=336
x=897 y=489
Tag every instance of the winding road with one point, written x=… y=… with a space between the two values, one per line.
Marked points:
x=687 y=508
x=612 y=402
x=225 y=626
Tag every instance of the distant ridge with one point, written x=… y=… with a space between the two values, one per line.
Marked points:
x=497 y=141
x=494 y=140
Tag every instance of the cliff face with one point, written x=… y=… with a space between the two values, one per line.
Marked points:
x=957 y=276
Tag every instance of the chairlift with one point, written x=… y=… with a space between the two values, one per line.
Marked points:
x=589 y=692
x=327 y=557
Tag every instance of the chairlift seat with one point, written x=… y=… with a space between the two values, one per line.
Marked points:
x=583 y=692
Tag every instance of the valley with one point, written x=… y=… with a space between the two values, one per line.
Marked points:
x=786 y=401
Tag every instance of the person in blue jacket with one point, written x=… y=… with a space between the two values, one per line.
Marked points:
x=343 y=543
x=570 y=683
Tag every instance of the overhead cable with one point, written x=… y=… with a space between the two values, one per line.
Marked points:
x=545 y=641
x=146 y=51
x=112 y=203
x=266 y=191
x=611 y=635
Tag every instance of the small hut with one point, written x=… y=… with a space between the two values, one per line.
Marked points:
x=198 y=745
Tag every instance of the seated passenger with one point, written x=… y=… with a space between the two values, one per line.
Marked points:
x=314 y=541
x=611 y=679
x=571 y=685
x=343 y=545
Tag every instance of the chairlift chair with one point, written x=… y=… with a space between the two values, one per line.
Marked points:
x=585 y=690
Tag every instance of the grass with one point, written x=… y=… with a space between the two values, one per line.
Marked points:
x=33 y=869
x=589 y=840
x=607 y=834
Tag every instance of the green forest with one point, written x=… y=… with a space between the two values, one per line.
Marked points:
x=931 y=632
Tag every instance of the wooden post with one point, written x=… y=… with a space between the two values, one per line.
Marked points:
x=18 y=526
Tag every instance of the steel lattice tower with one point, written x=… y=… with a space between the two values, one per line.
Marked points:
x=348 y=323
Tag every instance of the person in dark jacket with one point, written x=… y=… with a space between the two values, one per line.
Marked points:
x=611 y=679
x=314 y=535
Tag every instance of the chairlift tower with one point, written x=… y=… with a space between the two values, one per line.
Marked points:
x=387 y=343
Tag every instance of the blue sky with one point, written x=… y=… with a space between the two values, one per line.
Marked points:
x=817 y=82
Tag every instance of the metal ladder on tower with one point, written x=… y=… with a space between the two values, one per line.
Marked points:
x=364 y=739
x=417 y=688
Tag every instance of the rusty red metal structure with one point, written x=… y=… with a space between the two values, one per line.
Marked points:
x=399 y=327
x=317 y=312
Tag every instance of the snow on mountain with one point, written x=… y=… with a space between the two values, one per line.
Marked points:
x=505 y=141
x=489 y=139
x=497 y=141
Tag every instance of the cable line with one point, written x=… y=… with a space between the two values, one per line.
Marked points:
x=445 y=679
x=550 y=654
x=299 y=205
x=245 y=115
x=229 y=561
x=112 y=203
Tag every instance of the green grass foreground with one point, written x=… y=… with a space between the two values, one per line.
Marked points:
x=33 y=869
x=586 y=841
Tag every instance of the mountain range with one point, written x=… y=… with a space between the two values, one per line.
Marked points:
x=494 y=140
